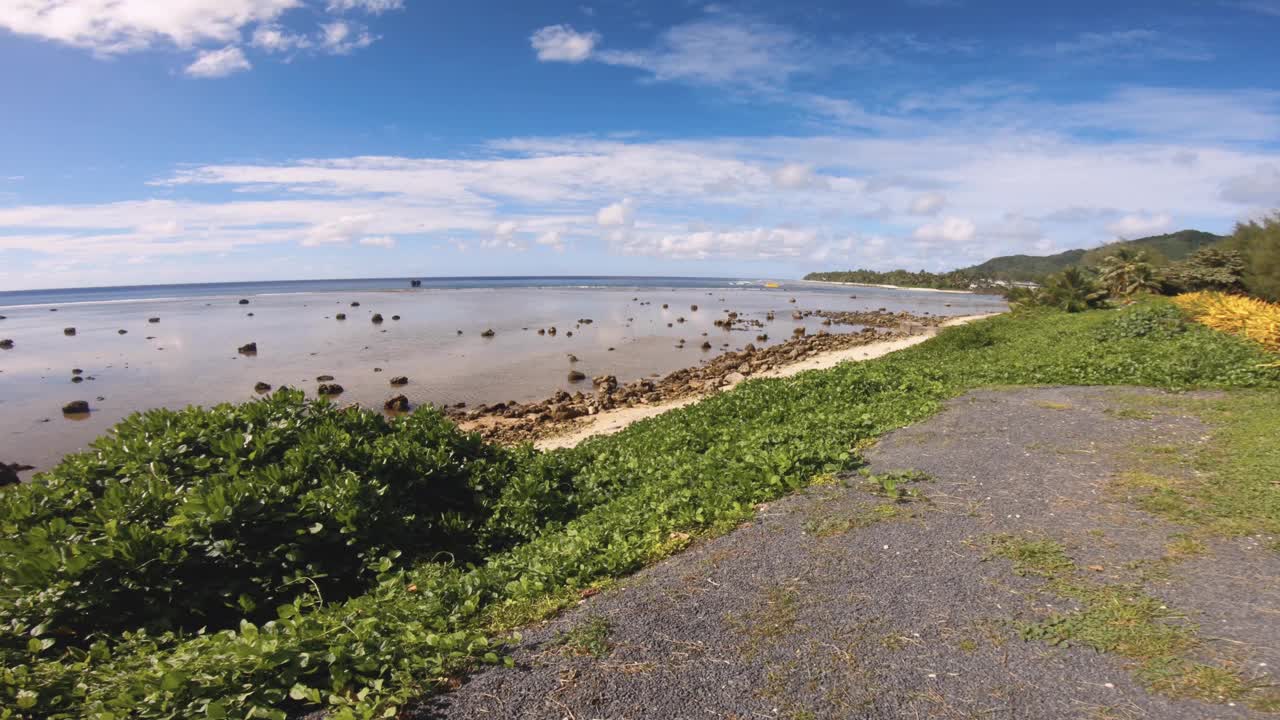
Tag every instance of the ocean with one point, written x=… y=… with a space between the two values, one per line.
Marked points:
x=189 y=355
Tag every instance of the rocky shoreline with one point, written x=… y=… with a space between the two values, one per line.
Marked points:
x=513 y=422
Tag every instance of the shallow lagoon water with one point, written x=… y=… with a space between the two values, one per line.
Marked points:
x=192 y=358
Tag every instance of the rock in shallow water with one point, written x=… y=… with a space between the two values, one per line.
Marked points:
x=76 y=407
x=400 y=380
x=262 y=387
x=329 y=389
x=249 y=349
x=399 y=403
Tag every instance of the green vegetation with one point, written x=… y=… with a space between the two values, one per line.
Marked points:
x=1259 y=244
x=1233 y=491
x=1159 y=249
x=954 y=280
x=589 y=638
x=1121 y=619
x=438 y=539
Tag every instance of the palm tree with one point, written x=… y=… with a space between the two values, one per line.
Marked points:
x=1127 y=273
x=1072 y=290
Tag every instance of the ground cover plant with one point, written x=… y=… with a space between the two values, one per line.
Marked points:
x=533 y=530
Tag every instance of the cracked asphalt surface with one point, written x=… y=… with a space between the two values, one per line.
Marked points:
x=834 y=603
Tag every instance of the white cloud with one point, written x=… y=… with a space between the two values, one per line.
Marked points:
x=218 y=63
x=375 y=7
x=796 y=176
x=340 y=230
x=1140 y=225
x=561 y=43
x=273 y=38
x=952 y=229
x=619 y=214
x=553 y=239
x=341 y=37
x=928 y=204
x=380 y=241
x=1132 y=44
x=753 y=244
x=1260 y=187
x=119 y=26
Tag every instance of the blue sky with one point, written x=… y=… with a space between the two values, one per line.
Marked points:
x=206 y=140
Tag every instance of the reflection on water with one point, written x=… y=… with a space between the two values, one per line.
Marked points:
x=191 y=356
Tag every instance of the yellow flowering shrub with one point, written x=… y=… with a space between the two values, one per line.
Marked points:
x=1248 y=317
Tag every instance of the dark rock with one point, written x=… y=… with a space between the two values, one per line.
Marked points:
x=399 y=380
x=415 y=283
x=568 y=333
x=567 y=412
x=329 y=389
x=323 y=378
x=76 y=407
x=249 y=314
x=706 y=346
x=459 y=332
x=248 y=349
x=542 y=331
x=377 y=369
x=573 y=358
x=377 y=318
x=153 y=320
x=68 y=331
x=395 y=317
x=693 y=308
x=664 y=306
x=77 y=371
x=9 y=473
x=53 y=309
x=6 y=344
x=340 y=316
x=551 y=330
x=487 y=333
x=262 y=387
x=585 y=321
x=243 y=301
x=355 y=304
x=575 y=376
x=398 y=403
x=77 y=379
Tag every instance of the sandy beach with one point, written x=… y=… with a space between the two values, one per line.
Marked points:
x=613 y=421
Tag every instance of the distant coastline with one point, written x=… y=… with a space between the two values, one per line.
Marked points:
x=889 y=287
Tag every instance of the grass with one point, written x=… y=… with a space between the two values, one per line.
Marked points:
x=589 y=638
x=1123 y=620
x=1230 y=484
x=586 y=515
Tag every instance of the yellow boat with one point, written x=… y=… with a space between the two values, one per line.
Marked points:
x=771 y=285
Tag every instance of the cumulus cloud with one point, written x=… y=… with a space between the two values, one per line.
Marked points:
x=274 y=39
x=1140 y=225
x=553 y=239
x=218 y=63
x=927 y=204
x=617 y=215
x=561 y=43
x=796 y=176
x=343 y=229
x=341 y=37
x=952 y=229
x=380 y=241
x=119 y=26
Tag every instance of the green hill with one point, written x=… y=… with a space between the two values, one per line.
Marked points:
x=1161 y=248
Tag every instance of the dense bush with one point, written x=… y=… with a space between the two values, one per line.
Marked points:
x=197 y=518
x=602 y=510
x=1146 y=320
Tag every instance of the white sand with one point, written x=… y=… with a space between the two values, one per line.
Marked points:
x=611 y=421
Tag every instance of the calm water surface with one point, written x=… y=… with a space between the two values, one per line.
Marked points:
x=190 y=356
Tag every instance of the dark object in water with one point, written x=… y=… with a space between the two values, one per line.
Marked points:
x=76 y=407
